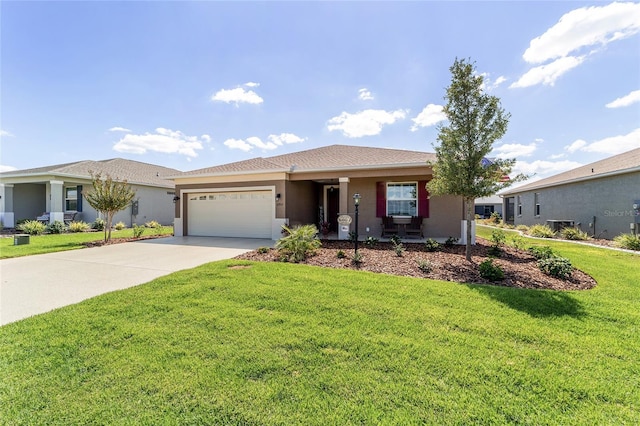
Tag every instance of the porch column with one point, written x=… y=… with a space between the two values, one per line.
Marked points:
x=56 y=201
x=6 y=205
x=343 y=207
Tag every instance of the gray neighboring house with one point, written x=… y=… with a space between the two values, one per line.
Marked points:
x=601 y=198
x=485 y=206
x=59 y=190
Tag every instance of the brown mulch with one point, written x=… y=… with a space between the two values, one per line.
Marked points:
x=101 y=243
x=448 y=264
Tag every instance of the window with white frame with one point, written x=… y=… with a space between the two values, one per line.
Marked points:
x=519 y=204
x=536 y=200
x=71 y=199
x=402 y=199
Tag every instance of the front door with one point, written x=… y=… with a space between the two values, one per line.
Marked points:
x=332 y=201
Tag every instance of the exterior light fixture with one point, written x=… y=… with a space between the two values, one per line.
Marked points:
x=278 y=197
x=175 y=199
x=356 y=201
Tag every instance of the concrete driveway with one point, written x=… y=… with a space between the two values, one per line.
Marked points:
x=36 y=284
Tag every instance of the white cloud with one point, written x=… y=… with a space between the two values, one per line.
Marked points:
x=430 y=115
x=615 y=144
x=365 y=95
x=557 y=156
x=252 y=84
x=7 y=168
x=543 y=168
x=119 y=129
x=584 y=28
x=238 y=144
x=283 y=138
x=624 y=101
x=206 y=138
x=578 y=144
x=488 y=84
x=237 y=95
x=514 y=150
x=163 y=140
x=5 y=133
x=365 y=123
x=549 y=73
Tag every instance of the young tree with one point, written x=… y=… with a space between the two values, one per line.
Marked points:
x=109 y=197
x=475 y=121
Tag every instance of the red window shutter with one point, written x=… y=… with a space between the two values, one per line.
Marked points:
x=423 y=199
x=381 y=199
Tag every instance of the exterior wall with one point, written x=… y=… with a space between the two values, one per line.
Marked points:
x=302 y=202
x=609 y=200
x=29 y=201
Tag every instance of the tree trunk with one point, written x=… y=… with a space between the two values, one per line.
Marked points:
x=468 y=205
x=109 y=220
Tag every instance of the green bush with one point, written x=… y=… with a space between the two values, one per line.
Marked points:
x=119 y=226
x=371 y=241
x=431 y=245
x=517 y=241
x=627 y=241
x=153 y=224
x=395 y=239
x=399 y=249
x=570 y=233
x=138 y=230
x=32 y=227
x=299 y=243
x=357 y=258
x=495 y=218
x=451 y=241
x=98 y=224
x=425 y=265
x=522 y=228
x=541 y=252
x=555 y=266
x=263 y=250
x=341 y=254
x=541 y=231
x=57 y=227
x=79 y=226
x=490 y=271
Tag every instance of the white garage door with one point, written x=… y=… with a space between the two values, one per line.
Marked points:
x=230 y=214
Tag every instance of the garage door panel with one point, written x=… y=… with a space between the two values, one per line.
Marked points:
x=231 y=214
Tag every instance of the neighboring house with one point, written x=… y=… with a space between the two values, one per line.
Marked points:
x=601 y=198
x=485 y=206
x=254 y=198
x=60 y=189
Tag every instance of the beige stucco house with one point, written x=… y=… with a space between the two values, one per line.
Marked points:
x=601 y=198
x=59 y=189
x=254 y=198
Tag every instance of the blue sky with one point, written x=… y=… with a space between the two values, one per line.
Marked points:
x=195 y=84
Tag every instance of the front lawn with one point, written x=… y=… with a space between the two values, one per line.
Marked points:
x=239 y=342
x=49 y=243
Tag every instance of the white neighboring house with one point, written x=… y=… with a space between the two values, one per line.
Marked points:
x=57 y=192
x=601 y=198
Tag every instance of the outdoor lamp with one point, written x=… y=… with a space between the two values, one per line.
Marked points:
x=356 y=200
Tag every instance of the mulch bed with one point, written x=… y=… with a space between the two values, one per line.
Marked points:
x=449 y=264
x=101 y=243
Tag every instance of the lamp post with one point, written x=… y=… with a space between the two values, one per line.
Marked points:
x=356 y=200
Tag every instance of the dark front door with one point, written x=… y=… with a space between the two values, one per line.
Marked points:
x=333 y=207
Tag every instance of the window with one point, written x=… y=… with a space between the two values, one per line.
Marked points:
x=536 y=200
x=71 y=199
x=519 y=203
x=402 y=199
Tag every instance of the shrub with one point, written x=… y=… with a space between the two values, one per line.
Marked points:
x=627 y=241
x=153 y=224
x=573 y=234
x=555 y=266
x=395 y=239
x=98 y=224
x=490 y=271
x=399 y=249
x=32 y=227
x=425 y=265
x=138 y=230
x=498 y=237
x=263 y=250
x=541 y=231
x=119 y=226
x=357 y=258
x=79 y=226
x=495 y=218
x=341 y=254
x=431 y=245
x=300 y=243
x=57 y=227
x=541 y=252
x=371 y=241
x=451 y=241
x=522 y=228
x=517 y=241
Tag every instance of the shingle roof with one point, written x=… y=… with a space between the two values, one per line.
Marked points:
x=118 y=168
x=324 y=158
x=621 y=163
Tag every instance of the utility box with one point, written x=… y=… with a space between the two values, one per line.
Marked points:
x=134 y=208
x=636 y=211
x=20 y=239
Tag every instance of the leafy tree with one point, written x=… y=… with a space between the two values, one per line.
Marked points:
x=109 y=197
x=475 y=121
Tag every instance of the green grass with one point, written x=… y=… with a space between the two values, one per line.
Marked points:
x=274 y=343
x=39 y=244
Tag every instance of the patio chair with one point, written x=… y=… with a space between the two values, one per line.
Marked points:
x=69 y=217
x=414 y=228
x=44 y=217
x=389 y=227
